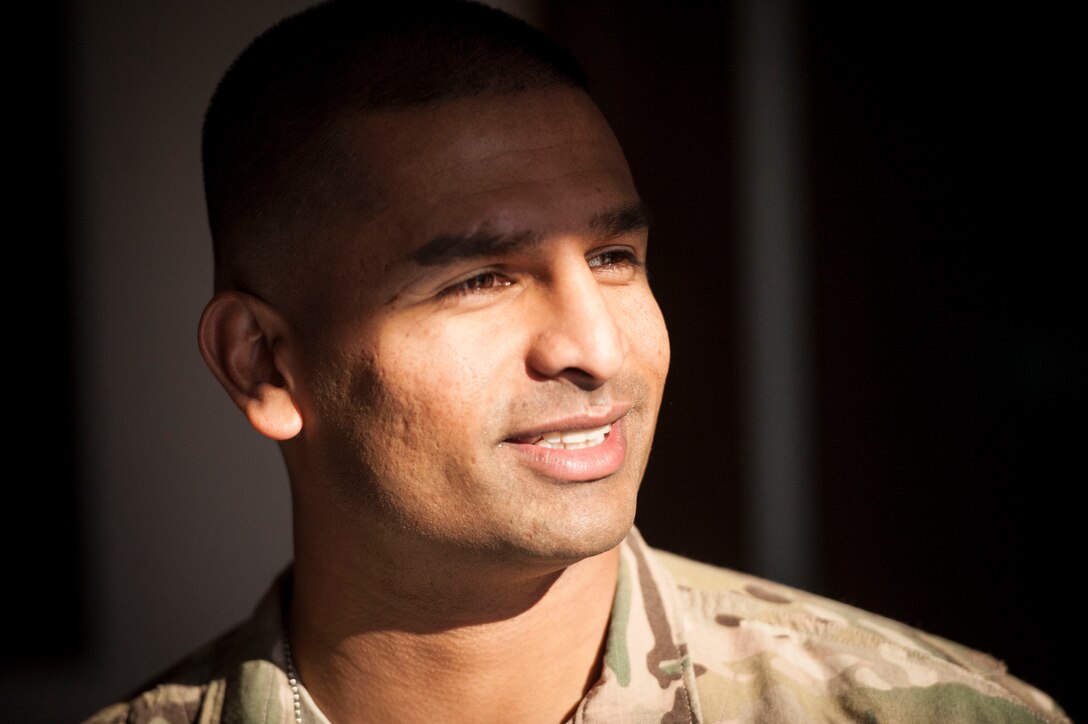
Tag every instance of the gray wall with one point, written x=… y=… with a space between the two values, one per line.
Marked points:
x=186 y=509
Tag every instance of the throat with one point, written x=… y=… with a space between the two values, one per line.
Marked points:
x=531 y=665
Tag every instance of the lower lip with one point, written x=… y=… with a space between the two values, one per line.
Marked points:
x=581 y=465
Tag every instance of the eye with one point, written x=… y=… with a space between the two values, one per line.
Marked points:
x=615 y=260
x=482 y=282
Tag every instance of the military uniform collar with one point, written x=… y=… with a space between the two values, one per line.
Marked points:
x=647 y=673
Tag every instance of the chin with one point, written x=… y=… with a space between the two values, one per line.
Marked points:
x=559 y=546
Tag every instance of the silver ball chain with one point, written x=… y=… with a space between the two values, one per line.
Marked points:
x=292 y=678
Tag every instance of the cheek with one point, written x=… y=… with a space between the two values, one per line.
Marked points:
x=648 y=335
x=447 y=379
x=664 y=350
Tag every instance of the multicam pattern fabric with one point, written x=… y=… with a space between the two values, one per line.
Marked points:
x=687 y=642
x=747 y=650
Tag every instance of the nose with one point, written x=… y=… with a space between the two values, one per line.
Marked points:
x=577 y=336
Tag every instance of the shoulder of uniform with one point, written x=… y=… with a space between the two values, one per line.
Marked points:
x=744 y=628
x=725 y=597
x=182 y=692
x=168 y=702
x=226 y=675
x=695 y=574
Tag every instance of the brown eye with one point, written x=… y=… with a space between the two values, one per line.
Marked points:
x=479 y=283
x=614 y=259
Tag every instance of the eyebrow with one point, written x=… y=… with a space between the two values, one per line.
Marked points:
x=452 y=247
x=624 y=220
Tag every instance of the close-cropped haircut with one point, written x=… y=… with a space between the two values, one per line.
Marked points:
x=280 y=168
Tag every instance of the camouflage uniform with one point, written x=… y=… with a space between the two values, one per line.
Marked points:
x=687 y=642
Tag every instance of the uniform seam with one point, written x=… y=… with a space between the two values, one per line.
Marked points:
x=682 y=651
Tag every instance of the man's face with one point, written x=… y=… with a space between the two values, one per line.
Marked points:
x=487 y=372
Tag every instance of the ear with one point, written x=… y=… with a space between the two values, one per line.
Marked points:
x=242 y=340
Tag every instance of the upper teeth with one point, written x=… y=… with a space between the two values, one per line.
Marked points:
x=574 y=439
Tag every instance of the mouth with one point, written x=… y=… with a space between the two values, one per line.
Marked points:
x=580 y=448
x=574 y=432
x=573 y=439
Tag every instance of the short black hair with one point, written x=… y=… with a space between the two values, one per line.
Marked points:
x=278 y=163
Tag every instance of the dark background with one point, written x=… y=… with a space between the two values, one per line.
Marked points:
x=944 y=308
x=943 y=359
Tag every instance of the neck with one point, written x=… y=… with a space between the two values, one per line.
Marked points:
x=384 y=637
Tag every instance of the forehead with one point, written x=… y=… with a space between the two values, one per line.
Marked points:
x=543 y=162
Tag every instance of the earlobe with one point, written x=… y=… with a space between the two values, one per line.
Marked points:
x=273 y=413
x=241 y=340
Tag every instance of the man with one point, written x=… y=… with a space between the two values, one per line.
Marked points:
x=431 y=290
